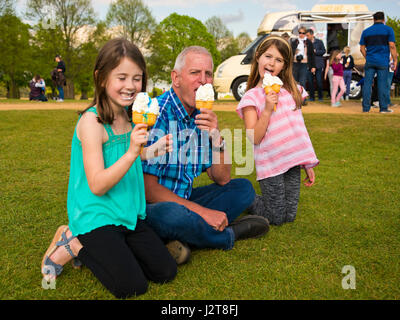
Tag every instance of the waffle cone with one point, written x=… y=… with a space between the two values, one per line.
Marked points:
x=149 y=118
x=274 y=87
x=204 y=104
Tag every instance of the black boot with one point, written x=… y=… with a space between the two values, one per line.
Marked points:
x=249 y=226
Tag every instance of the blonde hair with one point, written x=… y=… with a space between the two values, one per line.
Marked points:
x=346 y=50
x=286 y=74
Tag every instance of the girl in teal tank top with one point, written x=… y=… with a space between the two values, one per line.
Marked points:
x=106 y=197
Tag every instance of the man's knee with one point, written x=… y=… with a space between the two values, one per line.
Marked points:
x=244 y=189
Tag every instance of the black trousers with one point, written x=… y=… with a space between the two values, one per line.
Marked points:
x=124 y=260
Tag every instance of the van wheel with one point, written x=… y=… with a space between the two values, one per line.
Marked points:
x=239 y=87
x=355 y=91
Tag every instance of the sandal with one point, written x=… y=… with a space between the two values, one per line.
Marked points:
x=49 y=267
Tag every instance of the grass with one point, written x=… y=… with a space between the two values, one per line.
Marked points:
x=350 y=217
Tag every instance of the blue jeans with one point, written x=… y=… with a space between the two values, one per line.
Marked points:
x=390 y=80
x=60 y=92
x=300 y=71
x=347 y=80
x=172 y=221
x=318 y=78
x=383 y=90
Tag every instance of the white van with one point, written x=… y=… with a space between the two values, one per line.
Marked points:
x=343 y=22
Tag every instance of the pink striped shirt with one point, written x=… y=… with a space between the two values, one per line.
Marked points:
x=286 y=143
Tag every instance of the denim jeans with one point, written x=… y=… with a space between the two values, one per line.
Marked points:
x=60 y=92
x=390 y=80
x=172 y=221
x=300 y=71
x=318 y=78
x=383 y=90
x=347 y=80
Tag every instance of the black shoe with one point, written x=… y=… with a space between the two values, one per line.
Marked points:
x=250 y=226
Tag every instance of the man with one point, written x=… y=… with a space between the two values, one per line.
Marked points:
x=202 y=217
x=377 y=43
x=61 y=77
x=304 y=57
x=319 y=51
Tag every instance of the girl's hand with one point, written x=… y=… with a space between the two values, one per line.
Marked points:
x=310 y=179
x=271 y=100
x=159 y=148
x=139 y=137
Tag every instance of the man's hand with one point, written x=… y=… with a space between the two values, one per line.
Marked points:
x=216 y=219
x=206 y=120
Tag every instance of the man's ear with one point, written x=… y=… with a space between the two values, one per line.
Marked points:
x=175 y=78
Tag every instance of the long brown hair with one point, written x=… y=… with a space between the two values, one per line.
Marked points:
x=333 y=56
x=286 y=74
x=109 y=57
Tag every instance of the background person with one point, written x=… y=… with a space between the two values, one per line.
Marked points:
x=304 y=57
x=61 y=77
x=37 y=86
x=319 y=51
x=376 y=44
x=336 y=63
x=348 y=64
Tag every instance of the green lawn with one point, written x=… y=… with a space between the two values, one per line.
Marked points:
x=350 y=217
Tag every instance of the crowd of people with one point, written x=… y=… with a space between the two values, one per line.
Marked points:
x=377 y=44
x=133 y=212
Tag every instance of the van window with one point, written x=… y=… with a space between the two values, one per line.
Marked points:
x=251 y=49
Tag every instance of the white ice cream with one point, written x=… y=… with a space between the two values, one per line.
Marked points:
x=270 y=80
x=141 y=102
x=154 y=108
x=205 y=93
x=144 y=104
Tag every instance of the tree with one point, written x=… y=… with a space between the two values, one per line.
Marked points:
x=6 y=7
x=172 y=35
x=135 y=19
x=68 y=17
x=395 y=24
x=15 y=54
x=243 y=40
x=216 y=28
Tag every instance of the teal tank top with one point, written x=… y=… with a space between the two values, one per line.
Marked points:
x=121 y=205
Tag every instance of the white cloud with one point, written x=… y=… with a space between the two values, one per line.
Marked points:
x=231 y=18
x=181 y=3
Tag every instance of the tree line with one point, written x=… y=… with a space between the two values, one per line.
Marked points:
x=71 y=29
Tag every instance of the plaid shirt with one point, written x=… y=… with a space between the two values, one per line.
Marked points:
x=191 y=153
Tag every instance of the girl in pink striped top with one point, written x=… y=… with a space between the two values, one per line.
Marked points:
x=281 y=141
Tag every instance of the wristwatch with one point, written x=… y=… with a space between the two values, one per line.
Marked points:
x=221 y=147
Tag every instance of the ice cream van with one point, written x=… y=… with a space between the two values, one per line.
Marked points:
x=341 y=23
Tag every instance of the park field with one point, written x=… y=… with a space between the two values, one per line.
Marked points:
x=348 y=221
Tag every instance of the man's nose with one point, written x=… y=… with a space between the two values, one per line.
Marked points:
x=203 y=78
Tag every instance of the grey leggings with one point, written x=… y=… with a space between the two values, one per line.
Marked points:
x=280 y=197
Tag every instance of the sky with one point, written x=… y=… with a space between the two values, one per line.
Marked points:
x=238 y=15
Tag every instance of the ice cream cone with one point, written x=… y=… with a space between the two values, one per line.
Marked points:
x=274 y=87
x=204 y=104
x=147 y=118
